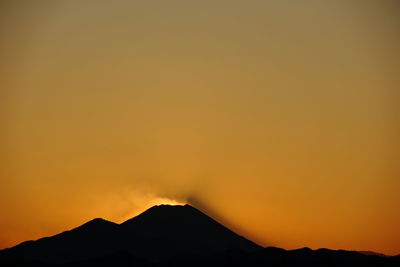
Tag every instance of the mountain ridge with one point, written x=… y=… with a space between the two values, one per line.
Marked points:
x=171 y=235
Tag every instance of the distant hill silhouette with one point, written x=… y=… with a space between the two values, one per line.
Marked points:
x=170 y=236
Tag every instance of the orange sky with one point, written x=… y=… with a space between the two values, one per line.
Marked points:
x=279 y=116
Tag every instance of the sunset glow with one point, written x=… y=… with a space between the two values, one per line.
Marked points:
x=279 y=118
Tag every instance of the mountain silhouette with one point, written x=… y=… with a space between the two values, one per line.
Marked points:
x=170 y=236
x=168 y=230
x=159 y=233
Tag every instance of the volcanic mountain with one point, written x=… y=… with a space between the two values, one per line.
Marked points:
x=159 y=233
x=170 y=236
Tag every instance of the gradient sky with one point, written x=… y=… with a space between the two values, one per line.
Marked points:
x=280 y=118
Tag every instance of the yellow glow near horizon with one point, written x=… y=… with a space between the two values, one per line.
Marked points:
x=150 y=203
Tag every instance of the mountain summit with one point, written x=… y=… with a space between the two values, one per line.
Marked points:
x=182 y=229
x=159 y=233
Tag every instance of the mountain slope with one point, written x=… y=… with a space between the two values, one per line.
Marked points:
x=170 y=230
x=89 y=240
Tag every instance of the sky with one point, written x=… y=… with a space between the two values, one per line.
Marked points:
x=279 y=118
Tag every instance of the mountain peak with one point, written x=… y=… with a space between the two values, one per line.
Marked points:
x=97 y=224
x=171 y=206
x=175 y=207
x=187 y=227
x=160 y=215
x=98 y=221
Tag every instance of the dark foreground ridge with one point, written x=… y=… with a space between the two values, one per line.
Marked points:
x=170 y=236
